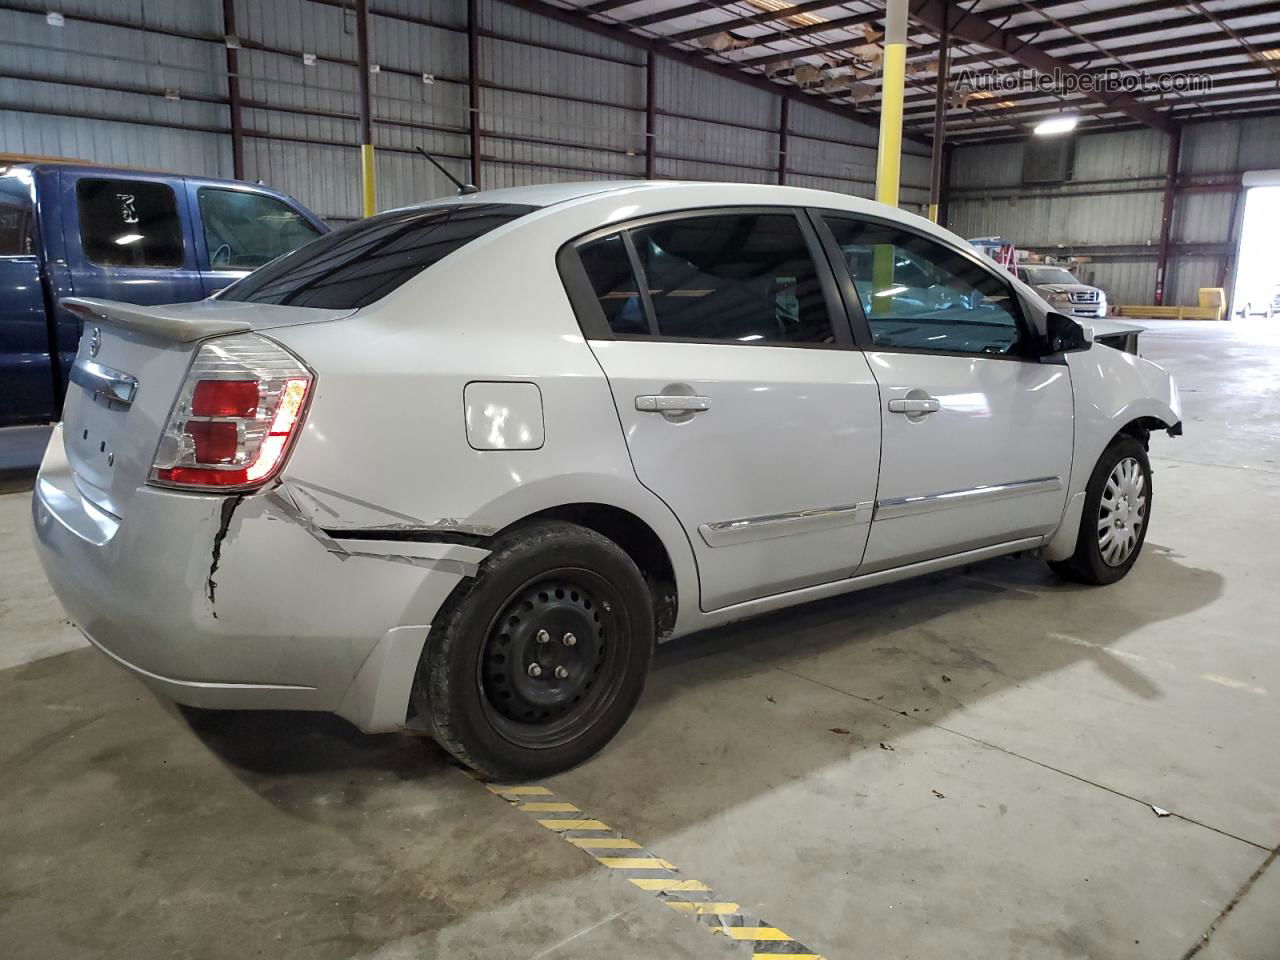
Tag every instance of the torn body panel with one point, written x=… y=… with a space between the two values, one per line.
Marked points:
x=147 y=603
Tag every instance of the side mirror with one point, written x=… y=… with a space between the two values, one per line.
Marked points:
x=1064 y=335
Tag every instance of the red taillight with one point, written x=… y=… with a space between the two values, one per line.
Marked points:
x=215 y=441
x=236 y=417
x=225 y=398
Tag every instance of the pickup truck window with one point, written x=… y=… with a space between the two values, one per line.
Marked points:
x=918 y=294
x=243 y=230
x=17 y=218
x=364 y=261
x=129 y=223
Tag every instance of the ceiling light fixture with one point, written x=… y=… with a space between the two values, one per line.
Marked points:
x=1061 y=124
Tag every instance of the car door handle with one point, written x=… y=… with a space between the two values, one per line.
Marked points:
x=914 y=406
x=662 y=403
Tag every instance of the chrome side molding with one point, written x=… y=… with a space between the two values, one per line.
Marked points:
x=927 y=503
x=99 y=380
x=750 y=529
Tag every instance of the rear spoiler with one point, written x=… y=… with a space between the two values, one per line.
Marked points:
x=170 y=322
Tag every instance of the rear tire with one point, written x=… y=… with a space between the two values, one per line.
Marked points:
x=533 y=665
x=1116 y=514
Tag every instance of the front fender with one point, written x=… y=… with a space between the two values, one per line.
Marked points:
x=1112 y=389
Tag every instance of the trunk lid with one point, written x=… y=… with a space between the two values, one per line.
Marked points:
x=130 y=365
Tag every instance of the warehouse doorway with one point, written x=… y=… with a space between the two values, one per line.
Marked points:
x=1257 y=284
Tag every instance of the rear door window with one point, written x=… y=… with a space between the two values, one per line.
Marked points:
x=129 y=223
x=361 y=263
x=17 y=217
x=732 y=277
x=745 y=277
x=244 y=230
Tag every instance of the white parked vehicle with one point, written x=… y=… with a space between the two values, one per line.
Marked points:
x=459 y=465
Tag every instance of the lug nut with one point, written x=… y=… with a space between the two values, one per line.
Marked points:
x=561 y=673
x=543 y=637
x=535 y=670
x=570 y=639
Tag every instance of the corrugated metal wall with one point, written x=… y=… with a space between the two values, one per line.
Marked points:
x=1110 y=210
x=144 y=84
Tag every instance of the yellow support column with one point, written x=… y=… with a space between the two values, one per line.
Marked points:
x=889 y=163
x=368 y=185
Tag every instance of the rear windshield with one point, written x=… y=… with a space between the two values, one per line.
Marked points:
x=364 y=261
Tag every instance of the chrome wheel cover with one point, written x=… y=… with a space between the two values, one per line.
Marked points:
x=1122 y=512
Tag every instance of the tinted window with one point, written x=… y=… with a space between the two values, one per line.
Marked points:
x=609 y=269
x=17 y=217
x=740 y=277
x=363 y=262
x=919 y=294
x=244 y=230
x=129 y=223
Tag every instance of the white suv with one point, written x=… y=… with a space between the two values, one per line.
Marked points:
x=459 y=466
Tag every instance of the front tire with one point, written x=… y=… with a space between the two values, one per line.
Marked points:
x=535 y=664
x=1113 y=523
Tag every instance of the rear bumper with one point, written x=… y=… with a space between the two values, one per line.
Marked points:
x=242 y=607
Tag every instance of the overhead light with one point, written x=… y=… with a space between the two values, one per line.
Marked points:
x=127 y=238
x=795 y=19
x=1062 y=124
x=1272 y=54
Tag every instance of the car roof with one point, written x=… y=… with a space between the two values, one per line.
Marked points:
x=693 y=193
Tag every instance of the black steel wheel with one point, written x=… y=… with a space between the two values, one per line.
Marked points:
x=535 y=663
x=548 y=663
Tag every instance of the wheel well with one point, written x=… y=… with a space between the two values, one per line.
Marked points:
x=640 y=543
x=1141 y=429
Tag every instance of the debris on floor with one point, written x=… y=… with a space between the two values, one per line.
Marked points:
x=1160 y=811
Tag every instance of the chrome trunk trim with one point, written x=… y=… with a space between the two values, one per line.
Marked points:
x=927 y=503
x=103 y=381
x=749 y=529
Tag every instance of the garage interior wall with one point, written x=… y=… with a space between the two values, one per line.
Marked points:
x=1110 y=209
x=145 y=84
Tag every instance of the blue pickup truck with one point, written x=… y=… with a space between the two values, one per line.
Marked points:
x=117 y=234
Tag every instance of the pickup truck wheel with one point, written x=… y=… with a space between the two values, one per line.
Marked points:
x=1113 y=524
x=534 y=664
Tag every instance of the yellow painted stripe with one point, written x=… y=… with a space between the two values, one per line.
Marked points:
x=665 y=883
x=638 y=863
x=604 y=843
x=753 y=933
x=709 y=906
x=574 y=824
x=606 y=839
x=517 y=790
x=549 y=807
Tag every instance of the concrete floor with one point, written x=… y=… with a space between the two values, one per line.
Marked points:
x=960 y=767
